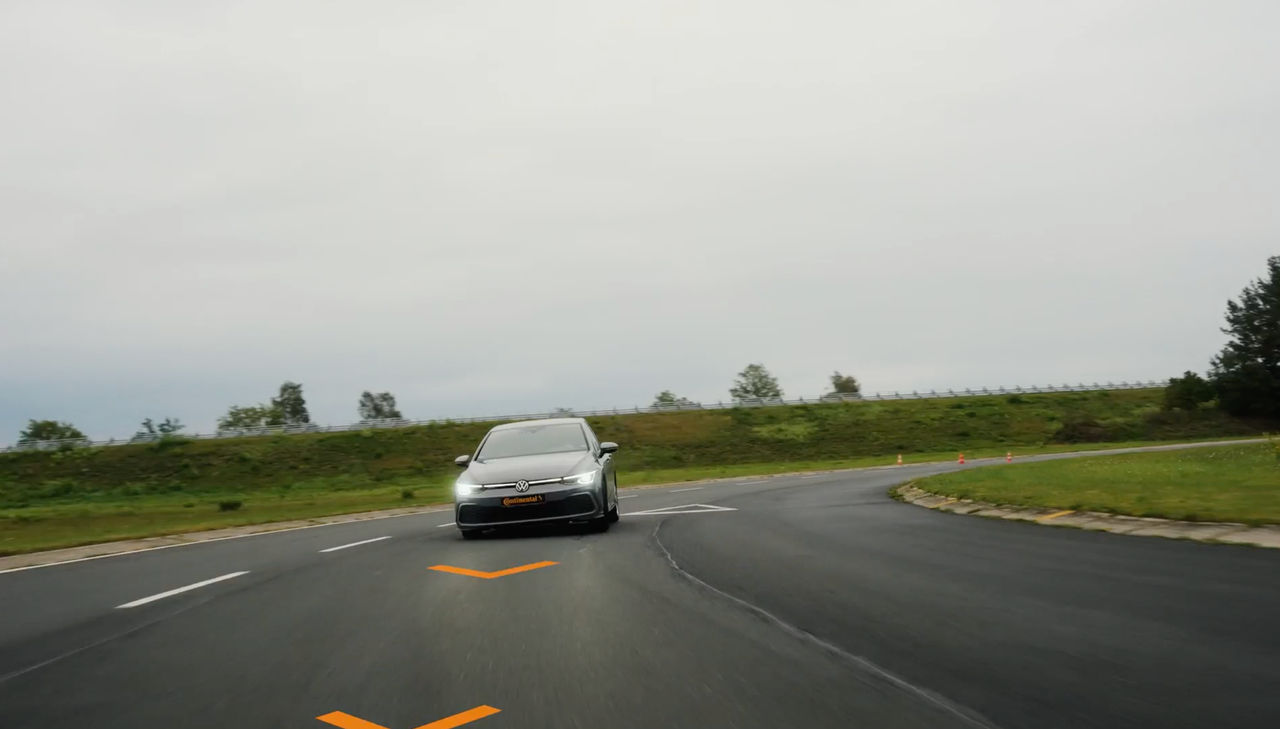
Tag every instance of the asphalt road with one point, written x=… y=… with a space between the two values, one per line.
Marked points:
x=814 y=602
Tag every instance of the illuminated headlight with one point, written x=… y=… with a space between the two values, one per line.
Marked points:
x=582 y=479
x=464 y=489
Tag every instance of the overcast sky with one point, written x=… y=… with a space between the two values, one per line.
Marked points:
x=490 y=207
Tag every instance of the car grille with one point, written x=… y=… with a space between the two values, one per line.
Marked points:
x=576 y=505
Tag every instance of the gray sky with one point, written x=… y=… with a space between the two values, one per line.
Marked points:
x=492 y=207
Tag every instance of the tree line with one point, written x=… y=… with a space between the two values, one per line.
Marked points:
x=288 y=407
x=1243 y=379
x=755 y=382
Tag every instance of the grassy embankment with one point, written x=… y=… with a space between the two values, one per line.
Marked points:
x=1239 y=483
x=49 y=500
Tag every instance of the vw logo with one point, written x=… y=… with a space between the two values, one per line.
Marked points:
x=522 y=485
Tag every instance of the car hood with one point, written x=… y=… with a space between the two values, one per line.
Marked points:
x=530 y=468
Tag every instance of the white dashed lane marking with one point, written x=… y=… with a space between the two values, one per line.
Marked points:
x=353 y=544
x=179 y=591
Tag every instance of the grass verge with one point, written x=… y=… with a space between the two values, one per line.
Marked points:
x=105 y=516
x=53 y=526
x=1238 y=483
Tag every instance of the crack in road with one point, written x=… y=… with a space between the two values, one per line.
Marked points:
x=964 y=713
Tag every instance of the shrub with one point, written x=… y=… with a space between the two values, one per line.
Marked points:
x=1187 y=392
x=1080 y=429
x=56 y=488
x=1015 y=399
x=229 y=505
x=169 y=441
x=784 y=431
x=406 y=493
x=1165 y=418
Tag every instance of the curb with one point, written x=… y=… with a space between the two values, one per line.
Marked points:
x=1142 y=526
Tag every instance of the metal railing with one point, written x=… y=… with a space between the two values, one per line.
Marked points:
x=673 y=407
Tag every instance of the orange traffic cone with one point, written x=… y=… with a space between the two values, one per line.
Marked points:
x=961 y=461
x=899 y=459
x=1008 y=457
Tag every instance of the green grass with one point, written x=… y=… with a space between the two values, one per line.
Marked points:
x=67 y=524
x=1239 y=483
x=75 y=522
x=98 y=494
x=698 y=473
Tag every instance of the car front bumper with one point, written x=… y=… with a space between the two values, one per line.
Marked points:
x=488 y=509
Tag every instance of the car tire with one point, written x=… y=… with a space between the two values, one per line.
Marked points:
x=470 y=533
x=602 y=522
x=613 y=513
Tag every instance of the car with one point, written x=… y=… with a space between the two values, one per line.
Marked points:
x=536 y=472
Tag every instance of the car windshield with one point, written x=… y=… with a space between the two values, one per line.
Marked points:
x=533 y=439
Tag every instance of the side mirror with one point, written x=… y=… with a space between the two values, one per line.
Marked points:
x=462 y=461
x=607 y=447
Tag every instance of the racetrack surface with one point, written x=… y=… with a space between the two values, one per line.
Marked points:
x=816 y=601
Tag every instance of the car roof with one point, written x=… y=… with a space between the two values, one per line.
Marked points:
x=544 y=421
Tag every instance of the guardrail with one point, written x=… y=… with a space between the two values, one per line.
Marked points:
x=673 y=407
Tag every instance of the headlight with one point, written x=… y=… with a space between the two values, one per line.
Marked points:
x=463 y=489
x=582 y=479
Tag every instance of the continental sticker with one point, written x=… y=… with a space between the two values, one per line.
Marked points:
x=518 y=500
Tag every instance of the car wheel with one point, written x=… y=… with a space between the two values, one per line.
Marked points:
x=470 y=533
x=600 y=523
x=613 y=513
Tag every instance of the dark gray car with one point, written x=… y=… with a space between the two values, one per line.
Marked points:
x=537 y=471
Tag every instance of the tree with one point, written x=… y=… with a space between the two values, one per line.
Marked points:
x=246 y=417
x=667 y=398
x=1187 y=392
x=168 y=426
x=41 y=430
x=287 y=408
x=150 y=429
x=844 y=384
x=381 y=406
x=755 y=381
x=291 y=405
x=1246 y=374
